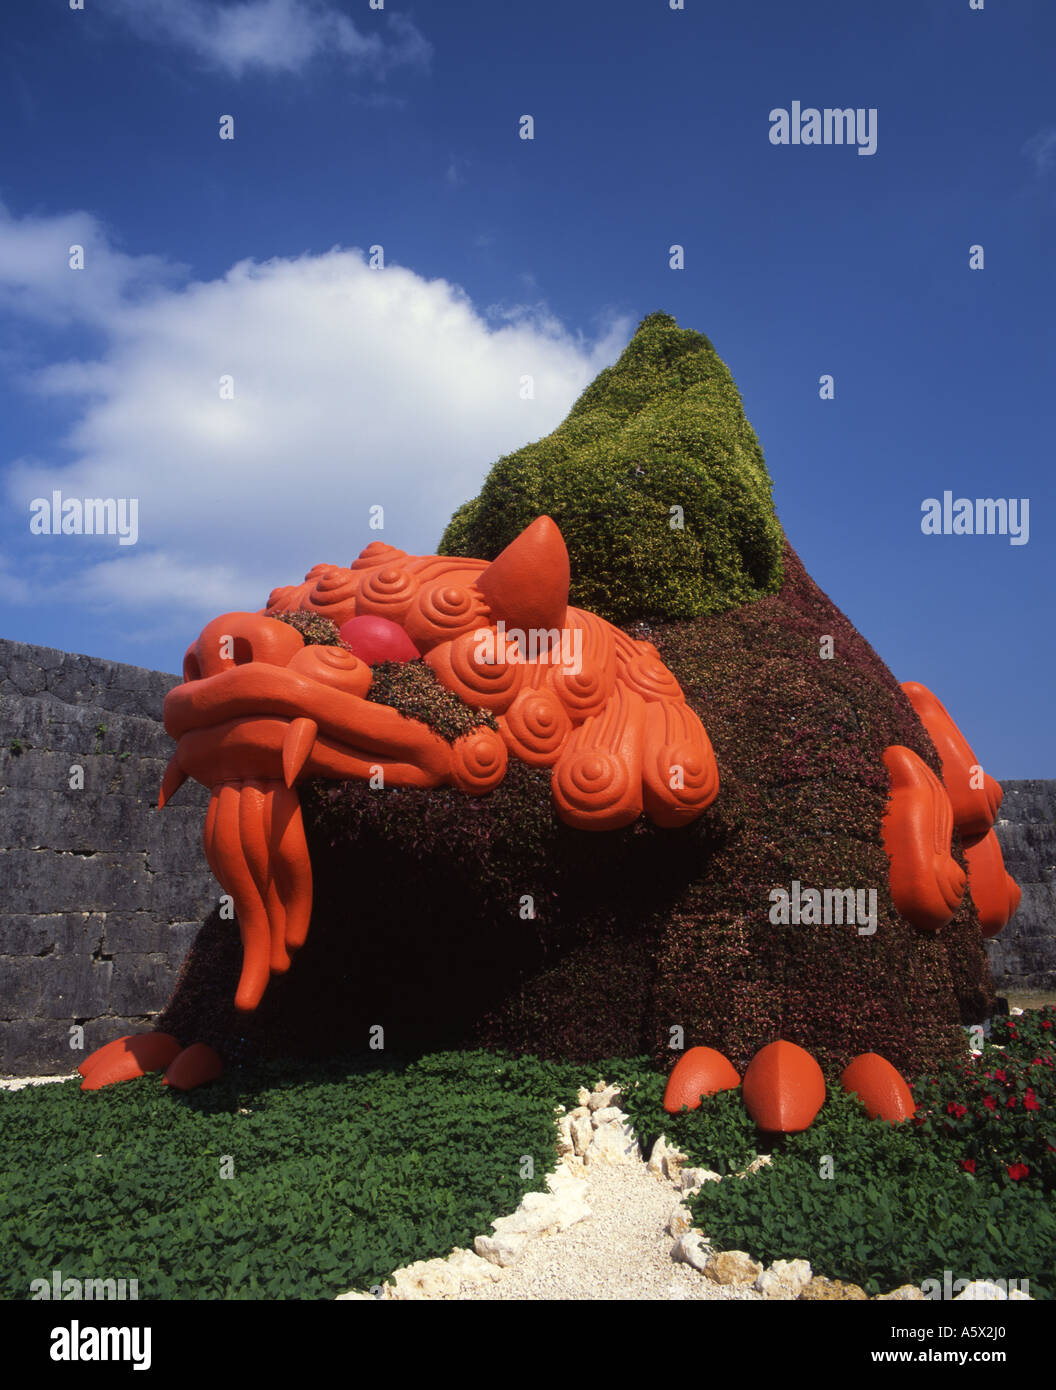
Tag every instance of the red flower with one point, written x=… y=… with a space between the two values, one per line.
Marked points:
x=957 y=1111
x=1011 y=1102
x=1000 y=1076
x=1017 y=1171
x=990 y=1103
x=1047 y=1023
x=1030 y=1101
x=968 y=1164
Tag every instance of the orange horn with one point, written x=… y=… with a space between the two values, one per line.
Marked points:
x=527 y=584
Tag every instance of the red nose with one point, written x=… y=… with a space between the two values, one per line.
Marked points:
x=378 y=639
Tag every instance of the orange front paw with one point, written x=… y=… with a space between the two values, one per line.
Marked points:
x=927 y=884
x=126 y=1058
x=994 y=891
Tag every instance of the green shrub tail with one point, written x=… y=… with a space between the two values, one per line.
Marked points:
x=663 y=428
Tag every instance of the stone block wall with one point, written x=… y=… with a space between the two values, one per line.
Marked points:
x=102 y=893
x=1023 y=957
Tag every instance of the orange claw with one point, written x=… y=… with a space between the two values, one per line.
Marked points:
x=194 y=1066
x=974 y=795
x=994 y=891
x=126 y=1058
x=699 y=1072
x=927 y=884
x=881 y=1087
x=783 y=1088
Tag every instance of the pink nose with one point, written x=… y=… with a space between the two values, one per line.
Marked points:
x=378 y=639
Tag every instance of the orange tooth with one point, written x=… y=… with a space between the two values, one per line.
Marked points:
x=237 y=879
x=291 y=864
x=296 y=747
x=172 y=781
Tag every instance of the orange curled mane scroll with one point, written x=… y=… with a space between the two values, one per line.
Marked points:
x=260 y=711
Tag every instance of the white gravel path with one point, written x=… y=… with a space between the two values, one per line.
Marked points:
x=15 y=1083
x=621 y=1251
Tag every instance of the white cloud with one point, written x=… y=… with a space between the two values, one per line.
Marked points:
x=1041 y=150
x=36 y=279
x=274 y=35
x=353 y=388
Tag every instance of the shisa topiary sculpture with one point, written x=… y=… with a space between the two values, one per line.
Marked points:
x=657 y=795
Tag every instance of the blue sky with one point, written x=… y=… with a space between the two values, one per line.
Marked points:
x=353 y=387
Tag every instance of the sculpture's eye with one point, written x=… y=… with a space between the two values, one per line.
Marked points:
x=192 y=671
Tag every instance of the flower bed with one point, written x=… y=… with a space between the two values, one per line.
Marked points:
x=965 y=1186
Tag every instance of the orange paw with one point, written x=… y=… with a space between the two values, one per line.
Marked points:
x=195 y=1066
x=974 y=795
x=126 y=1058
x=783 y=1088
x=881 y=1088
x=699 y=1072
x=994 y=891
x=927 y=884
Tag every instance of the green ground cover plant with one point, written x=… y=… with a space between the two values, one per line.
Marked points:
x=343 y=1172
x=965 y=1186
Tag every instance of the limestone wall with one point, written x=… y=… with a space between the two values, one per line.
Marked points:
x=101 y=894
x=1023 y=957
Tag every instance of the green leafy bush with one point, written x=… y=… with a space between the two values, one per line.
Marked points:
x=996 y=1115
x=663 y=429
x=894 y=1211
x=342 y=1173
